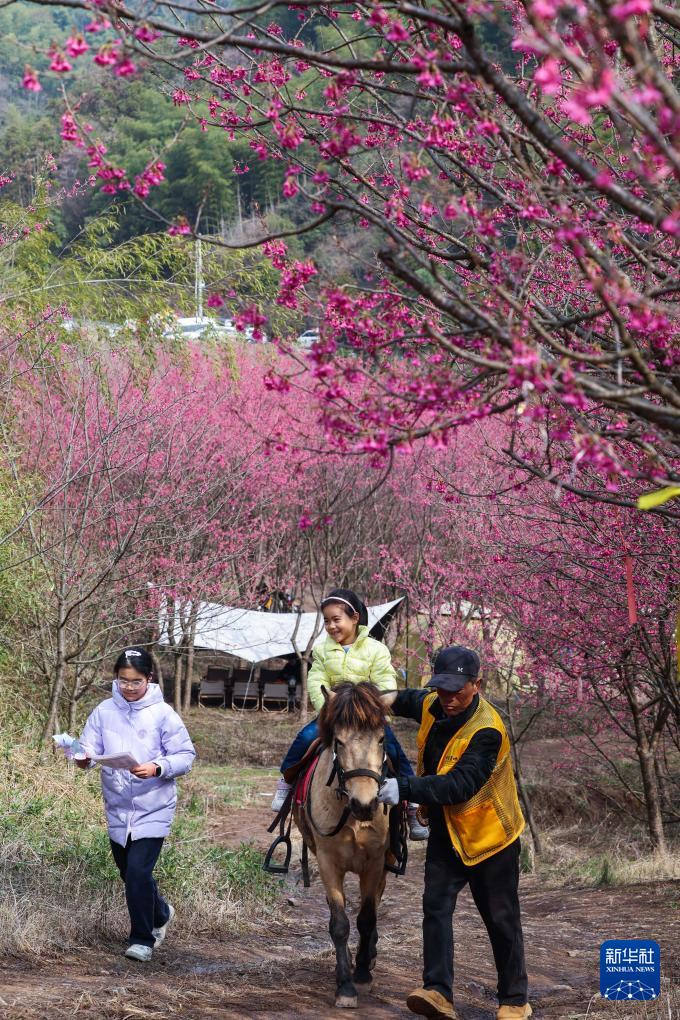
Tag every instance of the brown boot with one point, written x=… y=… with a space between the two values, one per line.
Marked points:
x=429 y=1002
x=514 y=1012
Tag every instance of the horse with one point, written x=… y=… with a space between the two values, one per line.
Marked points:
x=343 y=824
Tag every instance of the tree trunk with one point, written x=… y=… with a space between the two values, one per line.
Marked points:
x=157 y=671
x=189 y=662
x=72 y=707
x=75 y=693
x=304 y=710
x=59 y=676
x=646 y=750
x=188 y=677
x=526 y=806
x=303 y=659
x=523 y=792
x=177 y=689
x=652 y=799
x=521 y=785
x=663 y=786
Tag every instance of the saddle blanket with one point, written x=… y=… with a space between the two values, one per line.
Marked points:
x=304 y=780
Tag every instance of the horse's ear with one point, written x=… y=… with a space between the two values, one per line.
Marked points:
x=388 y=698
x=327 y=695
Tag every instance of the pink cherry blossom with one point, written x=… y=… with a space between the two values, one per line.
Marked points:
x=75 y=46
x=30 y=80
x=107 y=56
x=125 y=67
x=146 y=34
x=60 y=64
x=631 y=8
x=549 y=76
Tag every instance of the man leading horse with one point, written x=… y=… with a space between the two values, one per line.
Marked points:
x=466 y=782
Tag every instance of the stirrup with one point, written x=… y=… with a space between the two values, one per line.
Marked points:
x=286 y=812
x=278 y=869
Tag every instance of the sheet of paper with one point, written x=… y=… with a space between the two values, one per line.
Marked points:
x=123 y=760
x=70 y=746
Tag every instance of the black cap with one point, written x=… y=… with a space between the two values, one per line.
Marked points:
x=453 y=667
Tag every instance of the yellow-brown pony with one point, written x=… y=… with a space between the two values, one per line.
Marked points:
x=344 y=825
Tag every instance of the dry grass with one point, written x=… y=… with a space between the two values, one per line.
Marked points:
x=666 y=1007
x=58 y=884
x=587 y=855
x=656 y=867
x=241 y=737
x=223 y=787
x=259 y=738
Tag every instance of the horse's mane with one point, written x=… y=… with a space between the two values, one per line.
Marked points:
x=354 y=707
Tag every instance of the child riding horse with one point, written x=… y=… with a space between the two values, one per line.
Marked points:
x=349 y=654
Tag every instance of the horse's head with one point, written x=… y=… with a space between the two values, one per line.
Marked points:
x=352 y=723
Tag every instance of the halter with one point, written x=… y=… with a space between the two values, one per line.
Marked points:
x=344 y=776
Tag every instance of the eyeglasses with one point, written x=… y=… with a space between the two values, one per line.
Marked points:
x=134 y=685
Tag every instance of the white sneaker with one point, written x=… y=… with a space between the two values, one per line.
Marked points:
x=160 y=933
x=282 y=790
x=141 y=953
x=416 y=831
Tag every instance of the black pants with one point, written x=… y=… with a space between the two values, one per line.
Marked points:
x=147 y=908
x=494 y=887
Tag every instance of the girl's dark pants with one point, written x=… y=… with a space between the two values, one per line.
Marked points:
x=147 y=908
x=310 y=732
x=494 y=887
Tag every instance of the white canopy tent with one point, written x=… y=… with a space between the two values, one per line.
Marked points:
x=256 y=636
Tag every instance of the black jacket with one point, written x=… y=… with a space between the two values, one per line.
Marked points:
x=468 y=775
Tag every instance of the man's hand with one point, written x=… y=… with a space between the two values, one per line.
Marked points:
x=145 y=771
x=389 y=792
x=82 y=763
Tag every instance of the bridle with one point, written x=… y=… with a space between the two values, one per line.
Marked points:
x=343 y=776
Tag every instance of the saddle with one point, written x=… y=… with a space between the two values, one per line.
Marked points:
x=293 y=771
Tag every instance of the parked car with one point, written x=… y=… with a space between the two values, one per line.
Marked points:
x=309 y=337
x=191 y=327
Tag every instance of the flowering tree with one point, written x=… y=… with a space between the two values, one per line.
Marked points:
x=227 y=528
x=135 y=485
x=571 y=604
x=518 y=167
x=594 y=597
x=591 y=595
x=69 y=452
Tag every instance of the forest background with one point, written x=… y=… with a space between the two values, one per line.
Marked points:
x=139 y=469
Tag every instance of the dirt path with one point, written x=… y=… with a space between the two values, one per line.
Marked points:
x=286 y=971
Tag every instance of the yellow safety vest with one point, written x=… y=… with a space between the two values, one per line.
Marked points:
x=491 y=820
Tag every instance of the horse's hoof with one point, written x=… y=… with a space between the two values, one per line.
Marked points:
x=347 y=1002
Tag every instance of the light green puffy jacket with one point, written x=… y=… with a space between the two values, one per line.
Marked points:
x=366 y=659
